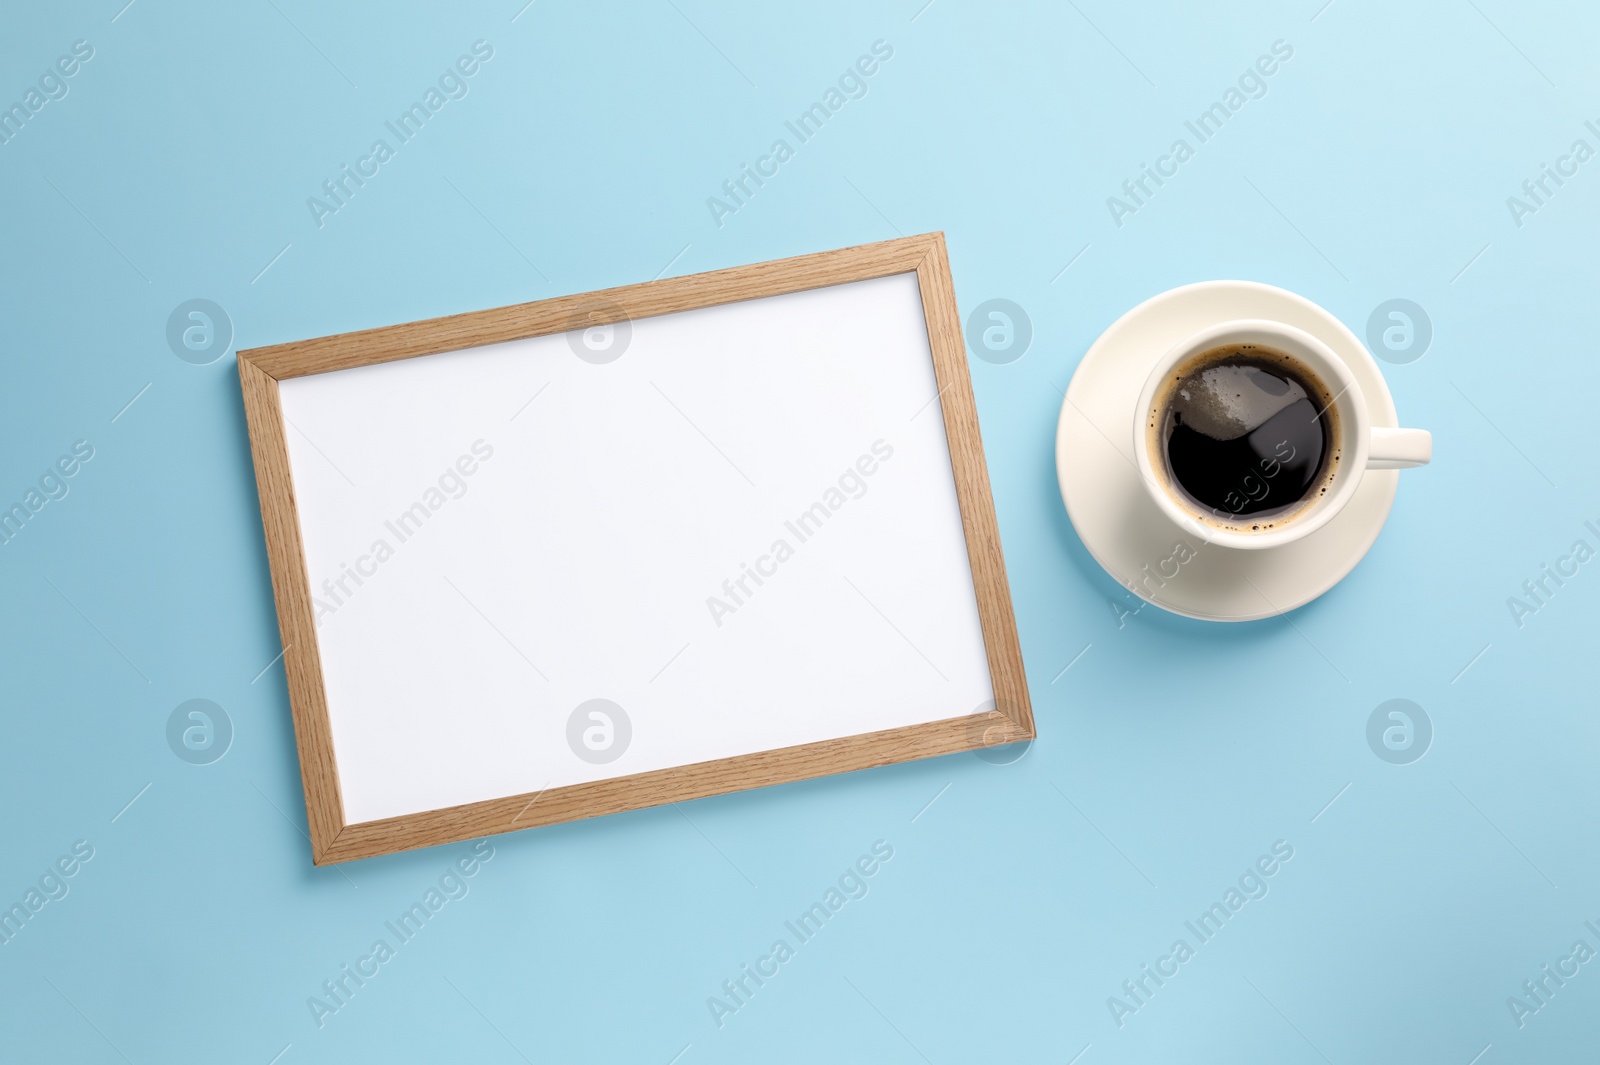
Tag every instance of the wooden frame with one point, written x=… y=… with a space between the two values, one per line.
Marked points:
x=260 y=369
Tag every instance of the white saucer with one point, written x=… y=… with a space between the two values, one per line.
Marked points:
x=1126 y=532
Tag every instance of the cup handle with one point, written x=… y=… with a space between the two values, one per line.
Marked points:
x=1399 y=449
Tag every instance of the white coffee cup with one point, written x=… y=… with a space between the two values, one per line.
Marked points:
x=1358 y=444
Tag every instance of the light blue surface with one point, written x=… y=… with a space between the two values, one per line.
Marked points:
x=1171 y=755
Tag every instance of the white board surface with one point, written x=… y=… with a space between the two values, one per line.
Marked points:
x=609 y=509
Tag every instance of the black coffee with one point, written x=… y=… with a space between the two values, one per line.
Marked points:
x=1246 y=433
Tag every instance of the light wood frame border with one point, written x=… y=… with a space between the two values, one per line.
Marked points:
x=260 y=369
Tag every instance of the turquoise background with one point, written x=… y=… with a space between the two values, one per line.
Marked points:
x=1170 y=756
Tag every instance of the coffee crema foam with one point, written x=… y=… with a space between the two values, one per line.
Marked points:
x=1237 y=424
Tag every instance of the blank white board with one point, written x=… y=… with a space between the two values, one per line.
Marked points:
x=574 y=524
